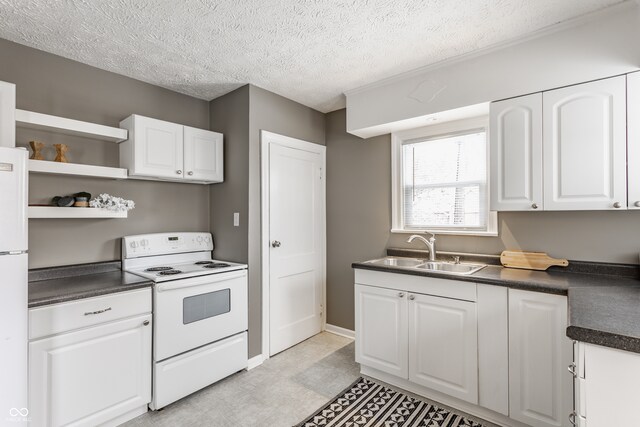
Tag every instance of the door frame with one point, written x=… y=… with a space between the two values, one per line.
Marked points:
x=266 y=139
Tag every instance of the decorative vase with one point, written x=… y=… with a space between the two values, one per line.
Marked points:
x=61 y=151
x=37 y=150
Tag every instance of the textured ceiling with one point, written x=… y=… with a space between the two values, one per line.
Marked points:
x=308 y=50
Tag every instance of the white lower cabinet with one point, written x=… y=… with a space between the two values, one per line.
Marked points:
x=540 y=391
x=606 y=386
x=381 y=318
x=498 y=353
x=443 y=345
x=94 y=376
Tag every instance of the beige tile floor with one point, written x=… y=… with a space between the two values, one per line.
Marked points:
x=281 y=392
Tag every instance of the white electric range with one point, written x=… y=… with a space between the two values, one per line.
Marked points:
x=200 y=311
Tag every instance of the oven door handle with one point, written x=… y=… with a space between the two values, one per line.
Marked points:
x=213 y=278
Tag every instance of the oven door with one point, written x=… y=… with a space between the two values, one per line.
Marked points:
x=193 y=312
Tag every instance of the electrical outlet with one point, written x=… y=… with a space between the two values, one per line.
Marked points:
x=236 y=219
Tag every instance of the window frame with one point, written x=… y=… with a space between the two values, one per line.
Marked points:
x=435 y=132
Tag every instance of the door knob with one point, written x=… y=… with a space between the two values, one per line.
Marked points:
x=617 y=205
x=275 y=244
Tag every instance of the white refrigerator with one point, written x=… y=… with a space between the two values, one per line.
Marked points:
x=13 y=285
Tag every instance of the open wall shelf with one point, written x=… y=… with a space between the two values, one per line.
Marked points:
x=57 y=168
x=39 y=121
x=56 y=212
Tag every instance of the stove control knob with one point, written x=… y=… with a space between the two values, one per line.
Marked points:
x=133 y=245
x=200 y=239
x=143 y=243
x=207 y=239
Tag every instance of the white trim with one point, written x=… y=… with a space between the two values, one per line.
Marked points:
x=337 y=330
x=254 y=362
x=397 y=139
x=571 y=23
x=297 y=144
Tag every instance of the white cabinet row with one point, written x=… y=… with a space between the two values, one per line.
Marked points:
x=566 y=149
x=159 y=150
x=498 y=349
x=606 y=385
x=90 y=360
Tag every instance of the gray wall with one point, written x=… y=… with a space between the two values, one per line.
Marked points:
x=53 y=85
x=229 y=114
x=359 y=220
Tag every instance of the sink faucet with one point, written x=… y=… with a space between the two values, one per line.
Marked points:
x=431 y=243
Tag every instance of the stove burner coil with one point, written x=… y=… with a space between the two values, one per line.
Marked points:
x=203 y=262
x=169 y=272
x=152 y=269
x=217 y=265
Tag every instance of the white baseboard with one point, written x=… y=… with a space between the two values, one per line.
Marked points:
x=343 y=332
x=254 y=362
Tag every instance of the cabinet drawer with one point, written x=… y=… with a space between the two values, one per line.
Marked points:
x=447 y=288
x=59 y=318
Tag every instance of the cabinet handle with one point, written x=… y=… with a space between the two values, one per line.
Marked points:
x=637 y=204
x=90 y=313
x=401 y=294
x=572 y=418
x=179 y=172
x=534 y=206
x=617 y=205
x=145 y=323
x=412 y=297
x=190 y=173
x=572 y=369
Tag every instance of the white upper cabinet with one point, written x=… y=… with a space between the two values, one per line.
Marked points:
x=585 y=146
x=7 y=114
x=633 y=142
x=516 y=154
x=203 y=155
x=167 y=151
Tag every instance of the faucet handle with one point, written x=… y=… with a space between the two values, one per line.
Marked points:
x=433 y=236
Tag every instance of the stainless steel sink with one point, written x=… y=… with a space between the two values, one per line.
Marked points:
x=397 y=262
x=462 y=268
x=451 y=267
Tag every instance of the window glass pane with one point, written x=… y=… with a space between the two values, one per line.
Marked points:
x=444 y=181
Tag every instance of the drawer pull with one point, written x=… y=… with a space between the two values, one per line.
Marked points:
x=89 y=313
x=145 y=323
x=572 y=368
x=572 y=418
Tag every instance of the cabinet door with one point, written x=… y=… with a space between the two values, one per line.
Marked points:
x=516 y=154
x=633 y=143
x=540 y=389
x=443 y=345
x=585 y=146
x=158 y=148
x=91 y=376
x=203 y=155
x=7 y=114
x=381 y=329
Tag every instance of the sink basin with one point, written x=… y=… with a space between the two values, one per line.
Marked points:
x=397 y=262
x=451 y=267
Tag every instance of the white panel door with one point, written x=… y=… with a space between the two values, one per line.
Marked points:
x=633 y=142
x=585 y=146
x=296 y=242
x=540 y=389
x=382 y=329
x=91 y=376
x=7 y=114
x=443 y=345
x=516 y=154
x=158 y=148
x=203 y=155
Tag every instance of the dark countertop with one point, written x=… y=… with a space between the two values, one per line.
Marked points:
x=60 y=284
x=604 y=309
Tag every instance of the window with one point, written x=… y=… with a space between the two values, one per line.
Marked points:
x=440 y=179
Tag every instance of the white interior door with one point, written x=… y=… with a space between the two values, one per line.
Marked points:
x=296 y=235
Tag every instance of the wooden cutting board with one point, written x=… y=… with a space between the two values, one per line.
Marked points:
x=530 y=260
